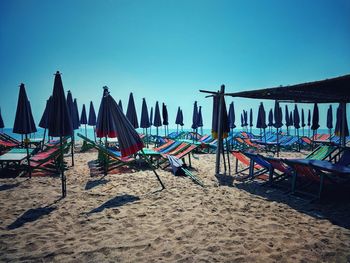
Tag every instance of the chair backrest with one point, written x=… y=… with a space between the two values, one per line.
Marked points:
x=258 y=159
x=278 y=164
x=164 y=146
x=189 y=149
x=303 y=169
x=321 y=152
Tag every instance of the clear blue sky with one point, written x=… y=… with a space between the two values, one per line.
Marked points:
x=167 y=50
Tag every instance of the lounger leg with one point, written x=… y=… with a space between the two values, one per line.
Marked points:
x=321 y=185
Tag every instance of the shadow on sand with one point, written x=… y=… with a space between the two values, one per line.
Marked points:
x=334 y=205
x=32 y=215
x=94 y=183
x=115 y=202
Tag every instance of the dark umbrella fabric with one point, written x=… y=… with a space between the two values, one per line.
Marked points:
x=315 y=118
x=330 y=117
x=215 y=119
x=178 y=117
x=157 y=119
x=165 y=115
x=24 y=122
x=251 y=117
x=339 y=122
x=145 y=123
x=309 y=118
x=232 y=117
x=105 y=124
x=200 y=117
x=242 y=120
x=151 y=117
x=1 y=121
x=71 y=110
x=302 y=118
x=60 y=123
x=245 y=115
x=291 y=121
x=76 y=111
x=195 y=116
x=120 y=105
x=83 y=118
x=44 y=121
x=92 y=115
x=182 y=119
x=286 y=117
x=270 y=123
x=296 y=118
x=131 y=112
x=278 y=121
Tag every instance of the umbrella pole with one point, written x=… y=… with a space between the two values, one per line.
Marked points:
x=297 y=131
x=278 y=145
x=94 y=133
x=265 y=140
x=228 y=156
x=106 y=159
x=42 y=144
x=63 y=177
x=72 y=148
x=28 y=157
x=157 y=138
x=152 y=167
x=177 y=129
x=146 y=138
x=85 y=131
x=223 y=156
x=219 y=144
x=330 y=135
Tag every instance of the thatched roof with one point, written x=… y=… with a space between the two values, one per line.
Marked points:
x=324 y=91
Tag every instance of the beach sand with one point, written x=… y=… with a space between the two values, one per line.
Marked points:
x=123 y=218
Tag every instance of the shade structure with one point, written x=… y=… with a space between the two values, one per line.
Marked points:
x=251 y=119
x=2 y=125
x=60 y=123
x=76 y=112
x=195 y=116
x=59 y=119
x=341 y=125
x=315 y=118
x=309 y=118
x=181 y=119
x=120 y=105
x=24 y=122
x=83 y=118
x=105 y=124
x=245 y=115
x=261 y=119
x=328 y=90
x=303 y=124
x=215 y=119
x=71 y=109
x=145 y=123
x=291 y=119
x=231 y=116
x=131 y=112
x=296 y=117
x=286 y=118
x=278 y=121
x=242 y=120
x=330 y=117
x=92 y=115
x=177 y=119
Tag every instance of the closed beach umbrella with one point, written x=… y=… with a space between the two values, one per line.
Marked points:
x=178 y=119
x=83 y=118
x=105 y=125
x=330 y=118
x=145 y=123
x=24 y=122
x=157 y=122
x=131 y=112
x=44 y=121
x=71 y=110
x=232 y=116
x=76 y=112
x=215 y=119
x=251 y=119
x=270 y=123
x=200 y=119
x=242 y=120
x=303 y=120
x=60 y=123
x=165 y=118
x=151 y=121
x=245 y=115
x=92 y=117
x=315 y=120
x=286 y=118
x=341 y=123
x=296 y=122
x=291 y=121
x=120 y=105
x=278 y=121
x=195 y=117
x=182 y=120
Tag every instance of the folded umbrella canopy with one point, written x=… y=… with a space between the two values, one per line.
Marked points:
x=270 y=123
x=76 y=112
x=261 y=121
x=118 y=125
x=341 y=125
x=131 y=112
x=182 y=120
x=157 y=122
x=74 y=118
x=165 y=118
x=251 y=119
x=309 y=121
x=330 y=120
x=24 y=122
x=245 y=115
x=291 y=121
x=120 y=105
x=278 y=121
x=92 y=118
x=151 y=121
x=194 y=125
x=303 y=120
x=60 y=123
x=44 y=121
x=286 y=118
x=200 y=119
x=231 y=117
x=242 y=120
x=296 y=122
x=315 y=120
x=178 y=119
x=83 y=118
x=145 y=123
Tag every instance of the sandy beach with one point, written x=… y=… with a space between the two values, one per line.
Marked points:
x=123 y=218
